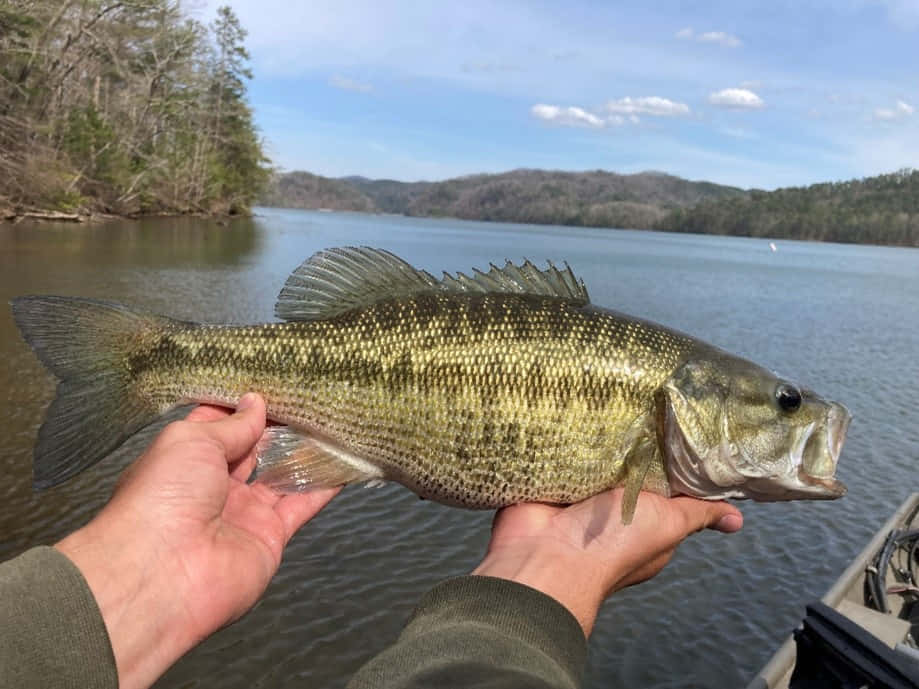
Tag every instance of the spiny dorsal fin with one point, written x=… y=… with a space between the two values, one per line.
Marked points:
x=333 y=281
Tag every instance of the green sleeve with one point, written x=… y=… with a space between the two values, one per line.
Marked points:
x=51 y=631
x=482 y=631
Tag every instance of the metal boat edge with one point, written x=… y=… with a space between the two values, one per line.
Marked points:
x=847 y=596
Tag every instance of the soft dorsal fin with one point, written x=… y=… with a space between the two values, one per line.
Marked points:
x=337 y=280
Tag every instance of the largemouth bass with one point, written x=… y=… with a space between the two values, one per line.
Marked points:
x=480 y=392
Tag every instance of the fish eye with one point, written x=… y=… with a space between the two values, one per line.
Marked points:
x=788 y=397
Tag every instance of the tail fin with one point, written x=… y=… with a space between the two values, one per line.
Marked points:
x=87 y=345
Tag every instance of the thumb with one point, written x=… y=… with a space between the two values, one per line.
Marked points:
x=706 y=514
x=724 y=517
x=239 y=432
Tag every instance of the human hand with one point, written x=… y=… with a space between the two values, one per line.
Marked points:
x=581 y=554
x=185 y=545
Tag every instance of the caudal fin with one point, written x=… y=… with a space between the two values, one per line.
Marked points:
x=87 y=345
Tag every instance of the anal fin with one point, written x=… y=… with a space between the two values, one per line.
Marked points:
x=291 y=461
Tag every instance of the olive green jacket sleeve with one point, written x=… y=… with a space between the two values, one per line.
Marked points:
x=466 y=632
x=482 y=632
x=51 y=631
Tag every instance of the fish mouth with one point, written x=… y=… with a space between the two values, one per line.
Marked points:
x=809 y=475
x=821 y=453
x=815 y=460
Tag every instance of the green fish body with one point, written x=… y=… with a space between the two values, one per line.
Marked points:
x=479 y=392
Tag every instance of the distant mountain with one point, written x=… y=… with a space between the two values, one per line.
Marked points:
x=389 y=195
x=306 y=190
x=875 y=210
x=595 y=198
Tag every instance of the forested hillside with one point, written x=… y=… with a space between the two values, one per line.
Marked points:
x=124 y=107
x=874 y=210
x=305 y=190
x=596 y=198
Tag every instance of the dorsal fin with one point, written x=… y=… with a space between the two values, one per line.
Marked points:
x=336 y=280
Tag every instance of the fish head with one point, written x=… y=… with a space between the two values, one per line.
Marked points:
x=731 y=429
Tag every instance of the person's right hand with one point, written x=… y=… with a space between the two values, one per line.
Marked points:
x=581 y=554
x=186 y=545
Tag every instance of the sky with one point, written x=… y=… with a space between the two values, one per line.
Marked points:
x=764 y=95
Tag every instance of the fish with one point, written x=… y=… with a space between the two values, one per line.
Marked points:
x=477 y=391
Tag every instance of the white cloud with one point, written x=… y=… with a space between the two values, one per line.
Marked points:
x=570 y=116
x=347 y=84
x=615 y=113
x=898 y=112
x=720 y=37
x=648 y=105
x=743 y=99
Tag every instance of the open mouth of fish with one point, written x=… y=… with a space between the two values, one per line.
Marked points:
x=817 y=461
x=813 y=459
x=810 y=465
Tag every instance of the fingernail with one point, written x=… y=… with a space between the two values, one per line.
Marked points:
x=729 y=523
x=246 y=402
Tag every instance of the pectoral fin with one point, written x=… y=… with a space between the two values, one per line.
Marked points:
x=641 y=455
x=634 y=480
x=291 y=461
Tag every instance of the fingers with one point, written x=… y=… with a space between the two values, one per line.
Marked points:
x=296 y=510
x=239 y=432
x=242 y=469
x=208 y=412
x=729 y=523
x=531 y=514
x=707 y=514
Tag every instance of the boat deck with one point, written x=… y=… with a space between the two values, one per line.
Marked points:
x=847 y=596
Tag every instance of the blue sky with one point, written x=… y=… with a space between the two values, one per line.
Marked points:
x=750 y=94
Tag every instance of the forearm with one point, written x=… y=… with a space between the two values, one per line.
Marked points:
x=579 y=588
x=51 y=630
x=475 y=630
x=136 y=608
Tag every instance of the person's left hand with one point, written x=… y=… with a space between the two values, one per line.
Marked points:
x=582 y=553
x=186 y=546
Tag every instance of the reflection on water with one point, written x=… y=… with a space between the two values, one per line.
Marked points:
x=139 y=263
x=148 y=242
x=841 y=319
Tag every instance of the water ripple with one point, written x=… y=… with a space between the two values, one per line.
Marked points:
x=840 y=319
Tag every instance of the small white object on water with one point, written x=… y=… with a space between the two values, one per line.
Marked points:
x=773 y=246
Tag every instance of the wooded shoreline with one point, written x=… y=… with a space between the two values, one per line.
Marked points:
x=875 y=210
x=111 y=109
x=124 y=109
x=14 y=216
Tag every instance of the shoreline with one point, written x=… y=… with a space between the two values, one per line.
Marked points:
x=11 y=215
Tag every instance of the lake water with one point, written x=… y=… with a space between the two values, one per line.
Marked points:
x=842 y=319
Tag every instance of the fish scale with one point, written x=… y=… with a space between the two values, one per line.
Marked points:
x=480 y=392
x=476 y=400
